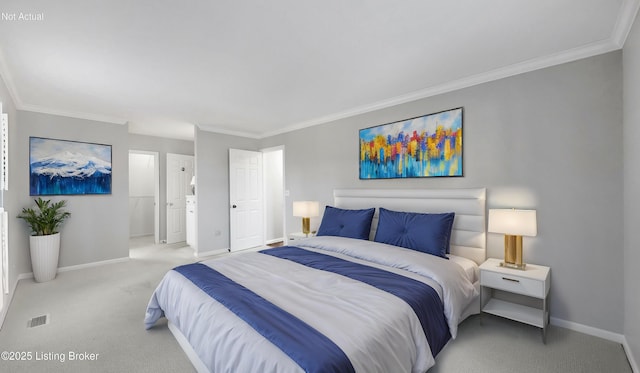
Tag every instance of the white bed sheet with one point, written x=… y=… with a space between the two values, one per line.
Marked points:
x=225 y=343
x=471 y=268
x=457 y=290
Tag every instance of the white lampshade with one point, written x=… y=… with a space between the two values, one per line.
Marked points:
x=306 y=209
x=513 y=222
x=193 y=181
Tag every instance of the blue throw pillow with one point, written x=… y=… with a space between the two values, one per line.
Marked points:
x=429 y=233
x=346 y=223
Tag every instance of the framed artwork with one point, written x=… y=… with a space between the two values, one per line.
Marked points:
x=426 y=146
x=62 y=167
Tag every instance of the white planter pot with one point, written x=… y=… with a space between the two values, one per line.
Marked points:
x=44 y=256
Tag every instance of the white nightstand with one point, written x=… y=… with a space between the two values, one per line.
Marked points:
x=300 y=236
x=533 y=282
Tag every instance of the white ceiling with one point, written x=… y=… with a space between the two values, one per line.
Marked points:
x=258 y=68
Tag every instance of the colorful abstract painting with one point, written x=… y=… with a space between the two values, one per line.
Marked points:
x=68 y=167
x=426 y=146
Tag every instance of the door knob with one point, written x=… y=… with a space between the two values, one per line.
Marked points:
x=234 y=206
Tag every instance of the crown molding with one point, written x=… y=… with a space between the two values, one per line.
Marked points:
x=574 y=54
x=5 y=75
x=620 y=32
x=224 y=131
x=20 y=105
x=570 y=55
x=624 y=23
x=73 y=114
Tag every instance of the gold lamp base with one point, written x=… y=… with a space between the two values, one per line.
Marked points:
x=306 y=224
x=513 y=252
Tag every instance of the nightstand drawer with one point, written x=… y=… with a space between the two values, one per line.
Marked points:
x=514 y=284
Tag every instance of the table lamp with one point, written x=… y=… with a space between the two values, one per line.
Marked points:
x=306 y=210
x=513 y=224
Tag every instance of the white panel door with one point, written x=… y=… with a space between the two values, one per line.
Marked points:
x=179 y=173
x=246 y=197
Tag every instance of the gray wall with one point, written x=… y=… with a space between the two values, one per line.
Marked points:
x=550 y=140
x=96 y=230
x=631 y=62
x=212 y=187
x=162 y=146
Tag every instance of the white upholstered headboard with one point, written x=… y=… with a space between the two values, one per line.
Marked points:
x=468 y=238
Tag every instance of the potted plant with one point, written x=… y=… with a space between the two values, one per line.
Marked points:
x=44 y=242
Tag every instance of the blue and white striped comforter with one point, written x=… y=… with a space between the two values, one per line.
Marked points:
x=376 y=330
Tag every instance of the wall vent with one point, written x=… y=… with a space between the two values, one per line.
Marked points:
x=38 y=321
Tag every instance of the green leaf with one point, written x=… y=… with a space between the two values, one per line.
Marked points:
x=46 y=219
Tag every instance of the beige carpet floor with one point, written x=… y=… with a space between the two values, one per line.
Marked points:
x=100 y=311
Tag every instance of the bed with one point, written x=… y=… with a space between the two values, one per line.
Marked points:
x=353 y=299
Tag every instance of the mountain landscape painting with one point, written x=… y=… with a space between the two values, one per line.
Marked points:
x=62 y=167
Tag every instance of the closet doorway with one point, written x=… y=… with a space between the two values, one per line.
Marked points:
x=144 y=192
x=274 y=195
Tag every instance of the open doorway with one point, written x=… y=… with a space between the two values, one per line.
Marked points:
x=256 y=193
x=144 y=191
x=273 y=164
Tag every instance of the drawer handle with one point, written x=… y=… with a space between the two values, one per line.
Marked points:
x=510 y=279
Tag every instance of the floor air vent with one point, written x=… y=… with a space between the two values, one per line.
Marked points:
x=38 y=321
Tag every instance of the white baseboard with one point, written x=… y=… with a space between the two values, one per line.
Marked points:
x=3 y=313
x=141 y=235
x=601 y=333
x=202 y=254
x=632 y=360
x=93 y=264
x=9 y=299
x=604 y=334
x=23 y=276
